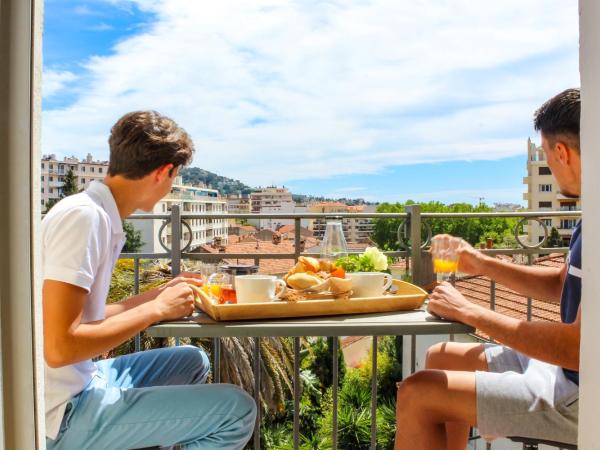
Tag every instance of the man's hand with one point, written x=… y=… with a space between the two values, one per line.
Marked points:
x=445 y=301
x=185 y=277
x=175 y=301
x=470 y=260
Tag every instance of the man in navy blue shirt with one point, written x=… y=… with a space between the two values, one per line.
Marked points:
x=529 y=385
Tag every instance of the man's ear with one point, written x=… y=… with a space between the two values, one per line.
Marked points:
x=563 y=153
x=163 y=172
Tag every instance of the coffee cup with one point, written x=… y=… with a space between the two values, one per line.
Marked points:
x=258 y=288
x=369 y=284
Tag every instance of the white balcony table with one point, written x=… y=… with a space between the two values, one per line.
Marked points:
x=417 y=322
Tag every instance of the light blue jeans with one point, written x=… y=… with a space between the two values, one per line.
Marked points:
x=156 y=398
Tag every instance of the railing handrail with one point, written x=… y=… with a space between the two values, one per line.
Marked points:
x=424 y=215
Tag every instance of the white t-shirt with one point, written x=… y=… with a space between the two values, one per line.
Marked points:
x=82 y=237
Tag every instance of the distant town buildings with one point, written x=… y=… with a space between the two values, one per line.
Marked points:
x=543 y=195
x=54 y=171
x=272 y=200
x=357 y=230
x=191 y=199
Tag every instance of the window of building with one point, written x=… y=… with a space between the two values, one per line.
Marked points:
x=545 y=188
x=547 y=222
x=42 y=165
x=42 y=201
x=42 y=190
x=568 y=224
x=83 y=181
x=100 y=169
x=545 y=204
x=42 y=177
x=92 y=169
x=51 y=178
x=544 y=170
x=83 y=168
x=50 y=190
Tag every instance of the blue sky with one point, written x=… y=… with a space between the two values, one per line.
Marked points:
x=379 y=99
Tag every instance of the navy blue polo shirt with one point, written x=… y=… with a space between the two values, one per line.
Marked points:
x=571 y=293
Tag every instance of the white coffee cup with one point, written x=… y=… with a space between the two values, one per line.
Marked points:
x=369 y=284
x=258 y=288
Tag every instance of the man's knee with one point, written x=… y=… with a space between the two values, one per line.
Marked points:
x=414 y=389
x=244 y=407
x=198 y=360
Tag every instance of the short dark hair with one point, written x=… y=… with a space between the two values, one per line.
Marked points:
x=143 y=141
x=559 y=118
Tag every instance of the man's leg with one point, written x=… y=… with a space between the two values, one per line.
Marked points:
x=461 y=357
x=181 y=365
x=207 y=417
x=427 y=401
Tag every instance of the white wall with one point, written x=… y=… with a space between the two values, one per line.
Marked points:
x=590 y=145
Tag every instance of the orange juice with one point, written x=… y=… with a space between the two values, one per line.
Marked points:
x=212 y=289
x=444 y=266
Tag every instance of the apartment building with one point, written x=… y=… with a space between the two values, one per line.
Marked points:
x=355 y=230
x=543 y=195
x=54 y=170
x=272 y=200
x=191 y=199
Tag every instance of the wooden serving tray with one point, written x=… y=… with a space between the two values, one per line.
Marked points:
x=407 y=297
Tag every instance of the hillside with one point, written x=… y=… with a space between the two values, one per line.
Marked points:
x=224 y=185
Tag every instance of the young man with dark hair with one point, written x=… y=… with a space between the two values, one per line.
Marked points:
x=152 y=398
x=528 y=385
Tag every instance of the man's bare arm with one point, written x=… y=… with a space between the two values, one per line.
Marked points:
x=541 y=283
x=67 y=340
x=144 y=297
x=551 y=342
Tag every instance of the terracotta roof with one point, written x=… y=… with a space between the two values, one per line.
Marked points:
x=508 y=302
x=266 y=266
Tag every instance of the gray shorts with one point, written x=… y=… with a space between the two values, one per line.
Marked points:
x=520 y=396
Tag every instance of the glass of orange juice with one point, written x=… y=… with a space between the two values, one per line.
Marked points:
x=444 y=252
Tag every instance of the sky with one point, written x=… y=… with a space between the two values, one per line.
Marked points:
x=386 y=100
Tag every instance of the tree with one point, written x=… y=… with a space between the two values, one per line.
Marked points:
x=50 y=203
x=134 y=242
x=554 y=240
x=472 y=230
x=69 y=186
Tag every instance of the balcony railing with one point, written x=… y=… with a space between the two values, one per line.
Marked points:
x=412 y=222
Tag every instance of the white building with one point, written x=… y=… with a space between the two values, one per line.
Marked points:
x=53 y=172
x=543 y=195
x=272 y=200
x=355 y=230
x=191 y=199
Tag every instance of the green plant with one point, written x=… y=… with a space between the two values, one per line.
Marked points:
x=134 y=242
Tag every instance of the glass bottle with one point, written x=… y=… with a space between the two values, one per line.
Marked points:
x=334 y=245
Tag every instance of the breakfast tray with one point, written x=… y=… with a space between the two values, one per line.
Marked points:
x=406 y=297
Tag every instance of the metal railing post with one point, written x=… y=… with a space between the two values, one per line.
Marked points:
x=529 y=299
x=257 y=392
x=297 y=239
x=136 y=291
x=334 y=431
x=414 y=221
x=216 y=360
x=175 y=240
x=175 y=245
x=374 y=396
x=296 y=393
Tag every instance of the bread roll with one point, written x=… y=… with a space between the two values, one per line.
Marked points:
x=326 y=266
x=310 y=264
x=340 y=285
x=303 y=281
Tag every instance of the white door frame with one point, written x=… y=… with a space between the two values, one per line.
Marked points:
x=20 y=306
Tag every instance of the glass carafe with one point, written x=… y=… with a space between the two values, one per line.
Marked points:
x=334 y=243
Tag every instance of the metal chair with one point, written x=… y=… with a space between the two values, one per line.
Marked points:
x=531 y=444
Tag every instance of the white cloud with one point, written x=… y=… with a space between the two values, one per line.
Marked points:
x=54 y=81
x=277 y=91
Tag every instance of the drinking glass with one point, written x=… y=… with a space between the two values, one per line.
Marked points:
x=444 y=252
x=334 y=243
